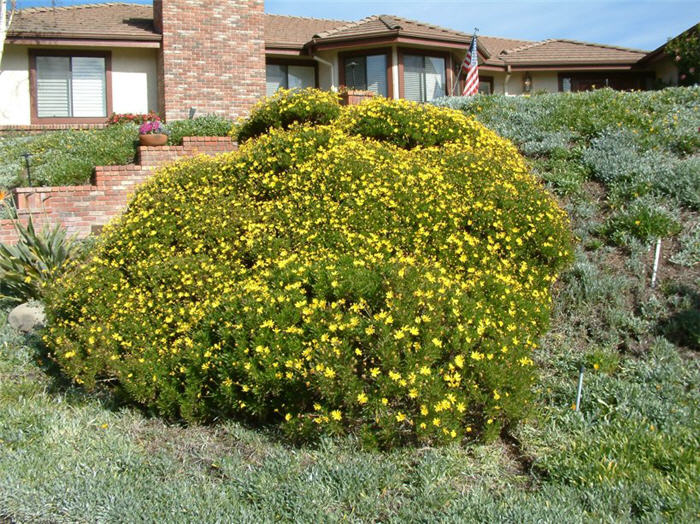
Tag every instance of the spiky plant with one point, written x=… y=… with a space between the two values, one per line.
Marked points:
x=37 y=258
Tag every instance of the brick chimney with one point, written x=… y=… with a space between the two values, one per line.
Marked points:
x=212 y=57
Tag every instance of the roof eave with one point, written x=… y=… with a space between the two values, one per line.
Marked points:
x=82 y=36
x=396 y=35
x=549 y=66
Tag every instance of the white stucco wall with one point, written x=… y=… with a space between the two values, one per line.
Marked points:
x=666 y=70
x=327 y=76
x=541 y=81
x=134 y=80
x=14 y=86
x=545 y=81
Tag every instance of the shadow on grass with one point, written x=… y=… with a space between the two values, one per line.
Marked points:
x=112 y=398
x=59 y=384
x=683 y=326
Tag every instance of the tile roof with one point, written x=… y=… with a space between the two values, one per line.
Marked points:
x=284 y=31
x=496 y=45
x=378 y=25
x=562 y=51
x=104 y=21
x=117 y=20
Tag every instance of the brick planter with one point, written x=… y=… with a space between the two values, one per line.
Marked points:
x=82 y=210
x=352 y=98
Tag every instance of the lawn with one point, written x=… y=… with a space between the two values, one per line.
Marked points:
x=625 y=167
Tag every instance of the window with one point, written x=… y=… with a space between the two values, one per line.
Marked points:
x=486 y=85
x=366 y=73
x=70 y=86
x=289 y=76
x=423 y=77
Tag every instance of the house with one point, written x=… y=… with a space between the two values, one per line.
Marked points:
x=668 y=65
x=72 y=66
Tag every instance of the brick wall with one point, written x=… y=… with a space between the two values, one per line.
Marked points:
x=212 y=56
x=81 y=209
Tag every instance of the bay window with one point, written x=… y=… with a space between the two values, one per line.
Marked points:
x=69 y=86
x=289 y=76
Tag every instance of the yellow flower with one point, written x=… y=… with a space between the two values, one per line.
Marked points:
x=336 y=415
x=362 y=398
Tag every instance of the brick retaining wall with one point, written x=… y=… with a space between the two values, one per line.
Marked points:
x=81 y=209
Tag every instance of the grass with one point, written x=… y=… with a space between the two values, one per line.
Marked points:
x=631 y=454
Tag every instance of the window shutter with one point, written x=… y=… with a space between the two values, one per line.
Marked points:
x=301 y=76
x=53 y=86
x=434 y=77
x=376 y=74
x=413 y=87
x=276 y=77
x=89 y=93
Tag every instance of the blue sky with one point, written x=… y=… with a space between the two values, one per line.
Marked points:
x=643 y=24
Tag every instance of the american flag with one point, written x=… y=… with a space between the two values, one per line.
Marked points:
x=471 y=64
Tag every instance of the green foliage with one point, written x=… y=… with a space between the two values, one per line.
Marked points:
x=65 y=157
x=208 y=125
x=327 y=282
x=287 y=107
x=689 y=253
x=643 y=219
x=38 y=258
x=404 y=124
x=666 y=119
x=685 y=50
x=629 y=455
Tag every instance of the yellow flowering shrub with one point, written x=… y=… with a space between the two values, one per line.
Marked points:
x=287 y=107
x=327 y=282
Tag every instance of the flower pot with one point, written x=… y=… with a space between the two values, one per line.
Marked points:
x=153 y=140
x=352 y=98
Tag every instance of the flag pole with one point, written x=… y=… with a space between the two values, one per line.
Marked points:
x=461 y=65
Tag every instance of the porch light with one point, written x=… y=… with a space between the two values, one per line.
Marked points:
x=527 y=83
x=27 y=156
x=353 y=65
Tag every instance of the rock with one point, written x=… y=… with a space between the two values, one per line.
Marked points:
x=27 y=317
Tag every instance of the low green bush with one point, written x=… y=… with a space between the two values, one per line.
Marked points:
x=286 y=107
x=208 y=125
x=689 y=253
x=65 y=157
x=644 y=219
x=326 y=281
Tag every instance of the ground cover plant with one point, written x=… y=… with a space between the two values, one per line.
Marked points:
x=69 y=157
x=319 y=279
x=64 y=157
x=630 y=455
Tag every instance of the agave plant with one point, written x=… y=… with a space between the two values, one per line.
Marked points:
x=37 y=258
